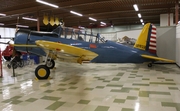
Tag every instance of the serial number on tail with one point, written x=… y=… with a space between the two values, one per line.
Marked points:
x=140 y=46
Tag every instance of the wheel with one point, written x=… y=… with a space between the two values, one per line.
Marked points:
x=150 y=65
x=9 y=66
x=42 y=72
x=21 y=63
x=7 y=58
x=50 y=64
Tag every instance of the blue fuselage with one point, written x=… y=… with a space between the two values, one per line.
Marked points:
x=109 y=52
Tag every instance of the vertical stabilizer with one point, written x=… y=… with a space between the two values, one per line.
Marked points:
x=147 y=39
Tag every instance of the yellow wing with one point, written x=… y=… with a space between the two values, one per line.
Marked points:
x=66 y=52
x=158 y=58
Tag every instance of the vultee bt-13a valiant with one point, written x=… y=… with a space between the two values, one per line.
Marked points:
x=75 y=45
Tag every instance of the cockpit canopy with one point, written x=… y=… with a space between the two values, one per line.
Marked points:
x=78 y=34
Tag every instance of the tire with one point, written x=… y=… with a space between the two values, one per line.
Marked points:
x=42 y=72
x=21 y=63
x=150 y=65
x=7 y=58
x=50 y=64
x=9 y=66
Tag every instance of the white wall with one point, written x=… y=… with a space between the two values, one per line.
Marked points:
x=110 y=36
x=6 y=32
x=164 y=19
x=120 y=34
x=130 y=34
x=166 y=42
x=178 y=44
x=116 y=28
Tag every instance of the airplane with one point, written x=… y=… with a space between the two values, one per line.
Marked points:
x=68 y=44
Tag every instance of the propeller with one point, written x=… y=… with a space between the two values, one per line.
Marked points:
x=11 y=38
x=4 y=42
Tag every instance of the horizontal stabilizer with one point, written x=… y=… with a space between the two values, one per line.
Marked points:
x=158 y=58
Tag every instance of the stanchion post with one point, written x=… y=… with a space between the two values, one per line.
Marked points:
x=13 y=65
x=13 y=72
x=1 y=64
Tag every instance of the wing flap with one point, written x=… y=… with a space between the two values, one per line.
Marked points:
x=66 y=52
x=158 y=58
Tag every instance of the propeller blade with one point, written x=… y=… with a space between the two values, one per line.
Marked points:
x=11 y=38
x=4 y=42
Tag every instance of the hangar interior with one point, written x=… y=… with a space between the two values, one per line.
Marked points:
x=94 y=86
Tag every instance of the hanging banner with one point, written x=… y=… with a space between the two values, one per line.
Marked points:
x=52 y=20
x=45 y=20
x=57 y=21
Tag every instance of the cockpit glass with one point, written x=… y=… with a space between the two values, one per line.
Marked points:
x=79 y=34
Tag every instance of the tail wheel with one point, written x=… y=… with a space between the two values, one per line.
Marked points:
x=50 y=64
x=42 y=72
x=150 y=65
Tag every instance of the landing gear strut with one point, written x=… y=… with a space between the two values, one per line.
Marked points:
x=50 y=63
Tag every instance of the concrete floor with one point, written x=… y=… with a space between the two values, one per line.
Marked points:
x=92 y=87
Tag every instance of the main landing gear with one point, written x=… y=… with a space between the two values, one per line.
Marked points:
x=50 y=63
x=43 y=71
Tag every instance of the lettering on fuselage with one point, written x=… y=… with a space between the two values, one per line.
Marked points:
x=76 y=44
x=140 y=46
x=108 y=47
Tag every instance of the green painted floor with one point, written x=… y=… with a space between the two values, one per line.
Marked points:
x=92 y=87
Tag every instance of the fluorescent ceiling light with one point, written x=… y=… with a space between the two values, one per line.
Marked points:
x=76 y=13
x=139 y=15
x=141 y=20
x=103 y=23
x=24 y=26
x=46 y=3
x=1 y=24
x=135 y=7
x=142 y=23
x=92 y=19
x=2 y=14
x=26 y=18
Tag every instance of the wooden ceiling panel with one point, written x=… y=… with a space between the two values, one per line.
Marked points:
x=118 y=12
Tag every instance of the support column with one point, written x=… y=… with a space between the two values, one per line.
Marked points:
x=168 y=16
x=38 y=23
x=177 y=12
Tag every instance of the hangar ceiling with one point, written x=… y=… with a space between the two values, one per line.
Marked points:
x=116 y=12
